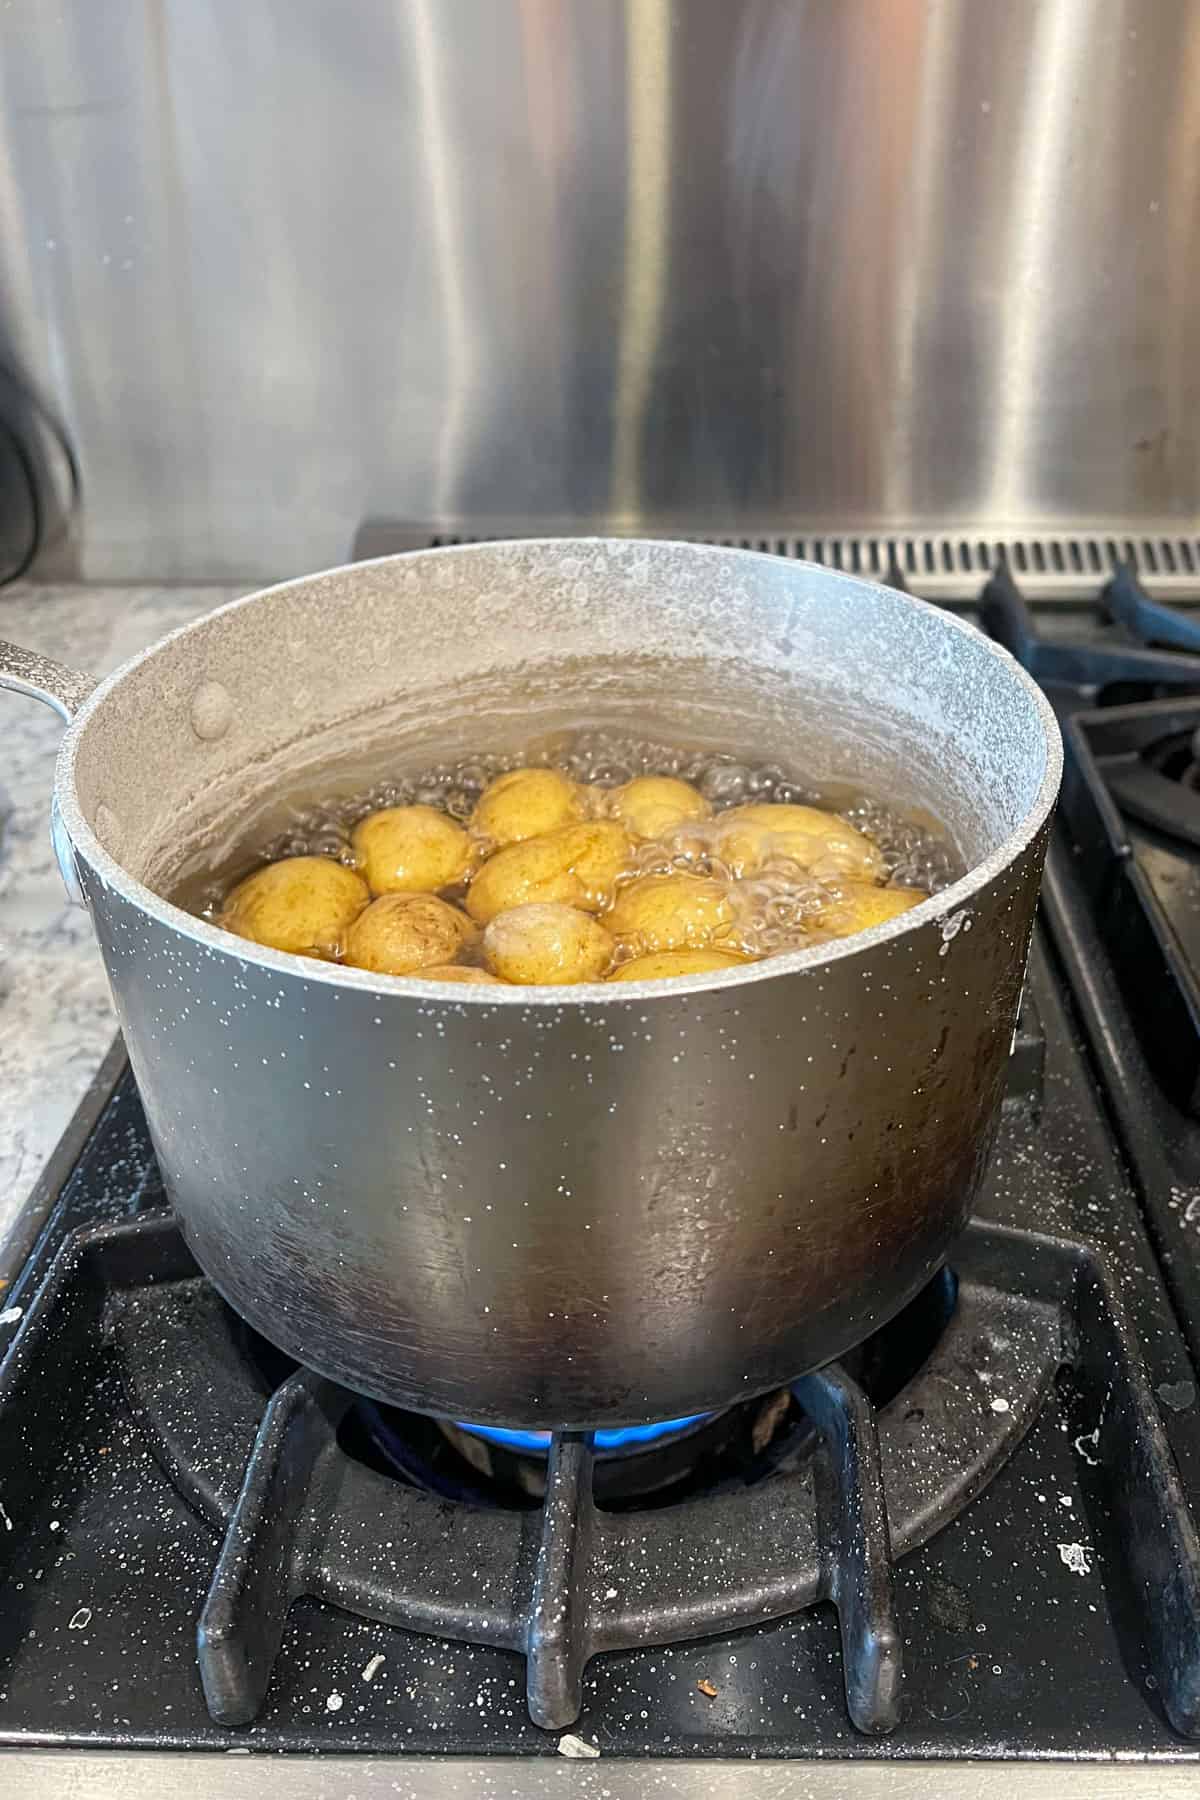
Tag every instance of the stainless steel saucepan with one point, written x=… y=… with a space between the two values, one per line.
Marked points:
x=541 y=1206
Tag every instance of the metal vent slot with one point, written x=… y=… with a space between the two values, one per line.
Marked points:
x=941 y=565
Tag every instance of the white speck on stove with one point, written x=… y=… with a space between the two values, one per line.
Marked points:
x=1076 y=1557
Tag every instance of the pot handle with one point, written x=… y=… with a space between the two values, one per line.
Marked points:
x=65 y=690
x=29 y=673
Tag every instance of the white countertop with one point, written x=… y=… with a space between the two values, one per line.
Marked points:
x=56 y=1020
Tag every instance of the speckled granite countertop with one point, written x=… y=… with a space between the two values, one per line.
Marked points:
x=56 y=1020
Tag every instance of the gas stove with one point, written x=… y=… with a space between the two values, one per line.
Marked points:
x=975 y=1538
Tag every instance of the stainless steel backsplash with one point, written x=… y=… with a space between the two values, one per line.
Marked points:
x=285 y=265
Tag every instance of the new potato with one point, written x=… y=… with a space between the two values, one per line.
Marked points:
x=749 y=836
x=652 y=806
x=526 y=803
x=399 y=934
x=461 y=972
x=410 y=850
x=304 y=904
x=861 y=906
x=671 y=912
x=577 y=865
x=547 y=943
x=666 y=965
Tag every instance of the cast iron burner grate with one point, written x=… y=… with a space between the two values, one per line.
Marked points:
x=1131 y=801
x=573 y=1577
x=1145 y=757
x=1149 y=651
x=295 y=1515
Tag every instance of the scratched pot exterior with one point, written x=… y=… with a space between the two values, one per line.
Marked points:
x=604 y=1205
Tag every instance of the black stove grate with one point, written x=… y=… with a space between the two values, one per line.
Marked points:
x=1097 y=665
x=1136 y=833
x=303 y=1507
x=1148 y=620
x=1122 y=887
x=299 y=1517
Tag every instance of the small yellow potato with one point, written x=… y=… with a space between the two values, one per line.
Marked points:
x=748 y=836
x=526 y=803
x=667 y=965
x=547 y=944
x=519 y=875
x=461 y=972
x=400 y=934
x=577 y=865
x=671 y=912
x=652 y=806
x=862 y=906
x=410 y=850
x=598 y=852
x=304 y=904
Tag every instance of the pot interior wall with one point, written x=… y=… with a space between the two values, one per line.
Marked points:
x=429 y=656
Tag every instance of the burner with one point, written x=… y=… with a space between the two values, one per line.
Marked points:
x=493 y=1466
x=653 y=1464
x=633 y=1464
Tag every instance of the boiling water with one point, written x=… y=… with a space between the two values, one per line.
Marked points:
x=778 y=906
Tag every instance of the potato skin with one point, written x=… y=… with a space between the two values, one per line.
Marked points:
x=304 y=904
x=577 y=865
x=669 y=965
x=526 y=803
x=599 y=851
x=462 y=972
x=547 y=944
x=747 y=836
x=519 y=875
x=399 y=934
x=672 y=912
x=652 y=806
x=410 y=850
x=862 y=906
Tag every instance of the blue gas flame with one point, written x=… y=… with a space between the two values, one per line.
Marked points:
x=627 y=1437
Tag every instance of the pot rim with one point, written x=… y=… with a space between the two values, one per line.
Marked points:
x=213 y=940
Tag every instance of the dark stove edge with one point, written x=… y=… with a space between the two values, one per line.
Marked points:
x=15 y=1250
x=170 y=1775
